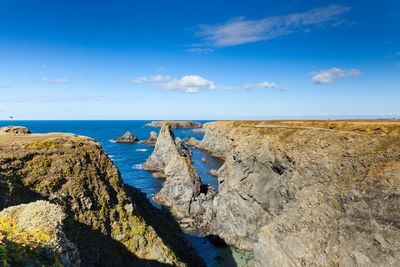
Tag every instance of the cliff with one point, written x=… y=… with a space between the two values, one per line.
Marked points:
x=176 y=124
x=309 y=192
x=108 y=221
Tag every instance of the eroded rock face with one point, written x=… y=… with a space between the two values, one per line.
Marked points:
x=14 y=130
x=103 y=221
x=127 y=138
x=152 y=139
x=165 y=149
x=176 y=124
x=185 y=195
x=304 y=195
x=33 y=233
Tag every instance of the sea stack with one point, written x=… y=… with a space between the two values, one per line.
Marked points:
x=152 y=139
x=127 y=138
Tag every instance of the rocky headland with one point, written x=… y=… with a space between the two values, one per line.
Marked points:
x=77 y=208
x=176 y=124
x=297 y=193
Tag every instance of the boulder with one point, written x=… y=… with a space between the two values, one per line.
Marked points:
x=203 y=160
x=14 y=130
x=214 y=173
x=127 y=138
x=152 y=139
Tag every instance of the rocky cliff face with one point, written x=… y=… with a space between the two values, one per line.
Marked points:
x=31 y=235
x=102 y=218
x=324 y=193
x=165 y=149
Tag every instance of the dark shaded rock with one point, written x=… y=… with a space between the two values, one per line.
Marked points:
x=127 y=138
x=152 y=139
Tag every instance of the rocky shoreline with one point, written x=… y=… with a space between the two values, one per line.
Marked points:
x=297 y=193
x=176 y=124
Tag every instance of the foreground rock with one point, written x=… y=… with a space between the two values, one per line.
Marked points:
x=152 y=139
x=103 y=220
x=127 y=138
x=14 y=130
x=32 y=233
x=308 y=193
x=185 y=195
x=165 y=149
x=176 y=124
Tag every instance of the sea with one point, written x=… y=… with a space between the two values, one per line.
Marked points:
x=129 y=158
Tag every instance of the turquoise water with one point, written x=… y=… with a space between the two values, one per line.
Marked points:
x=129 y=157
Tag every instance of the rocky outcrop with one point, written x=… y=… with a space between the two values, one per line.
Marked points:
x=185 y=195
x=214 y=173
x=319 y=193
x=14 y=130
x=127 y=138
x=176 y=124
x=200 y=130
x=31 y=234
x=165 y=149
x=152 y=139
x=103 y=220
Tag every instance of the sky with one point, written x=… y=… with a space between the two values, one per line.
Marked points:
x=199 y=59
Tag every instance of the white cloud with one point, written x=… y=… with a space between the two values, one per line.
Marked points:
x=157 y=78
x=329 y=76
x=241 y=31
x=188 y=84
x=249 y=86
x=268 y=85
x=59 y=81
x=199 y=51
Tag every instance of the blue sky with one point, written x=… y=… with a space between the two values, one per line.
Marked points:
x=199 y=59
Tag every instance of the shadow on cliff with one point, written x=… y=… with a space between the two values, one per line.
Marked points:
x=97 y=249
x=166 y=227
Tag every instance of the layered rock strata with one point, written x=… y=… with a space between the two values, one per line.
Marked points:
x=309 y=193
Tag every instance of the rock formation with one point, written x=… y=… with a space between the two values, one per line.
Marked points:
x=306 y=193
x=165 y=149
x=127 y=138
x=32 y=233
x=214 y=173
x=152 y=139
x=176 y=124
x=199 y=130
x=185 y=195
x=110 y=223
x=14 y=130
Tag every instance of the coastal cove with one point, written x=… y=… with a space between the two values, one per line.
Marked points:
x=129 y=158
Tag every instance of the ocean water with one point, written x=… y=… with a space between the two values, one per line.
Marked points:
x=129 y=158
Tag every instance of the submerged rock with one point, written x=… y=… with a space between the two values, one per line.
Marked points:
x=152 y=139
x=14 y=130
x=127 y=138
x=165 y=149
x=176 y=124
